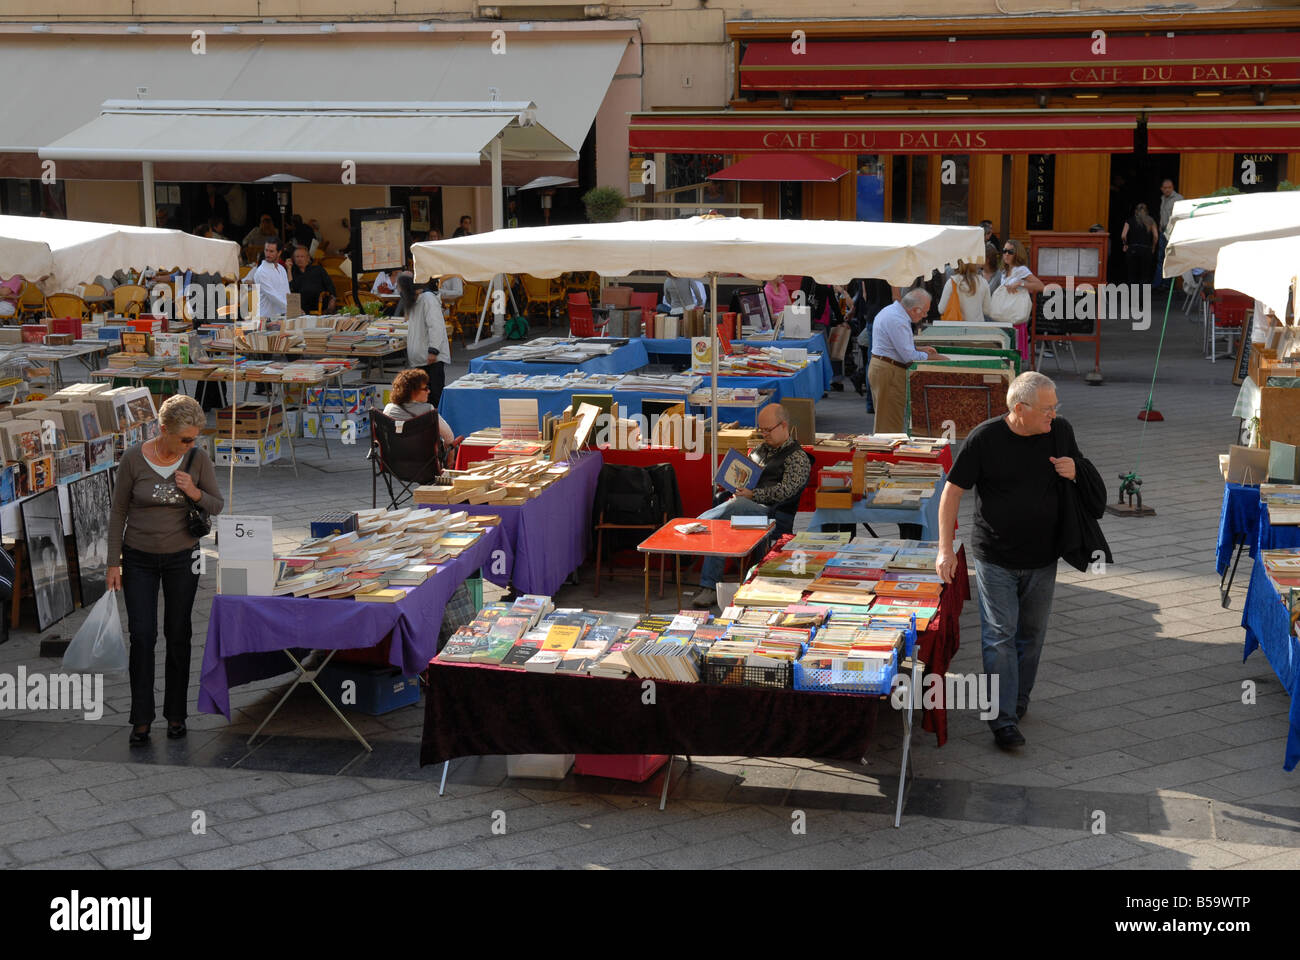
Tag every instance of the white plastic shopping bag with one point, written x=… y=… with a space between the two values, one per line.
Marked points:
x=98 y=646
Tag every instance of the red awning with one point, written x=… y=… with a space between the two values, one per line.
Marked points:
x=1026 y=131
x=997 y=63
x=782 y=167
x=1244 y=130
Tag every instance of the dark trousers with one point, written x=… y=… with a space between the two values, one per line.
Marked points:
x=142 y=574
x=1140 y=261
x=437 y=372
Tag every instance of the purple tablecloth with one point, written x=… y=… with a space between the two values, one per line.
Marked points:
x=549 y=535
x=247 y=635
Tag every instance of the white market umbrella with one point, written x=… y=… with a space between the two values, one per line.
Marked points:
x=1198 y=229
x=70 y=252
x=829 y=251
x=1263 y=269
x=541 y=183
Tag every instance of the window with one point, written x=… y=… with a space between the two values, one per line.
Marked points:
x=871 y=187
x=954 y=190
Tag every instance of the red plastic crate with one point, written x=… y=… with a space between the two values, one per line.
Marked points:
x=637 y=767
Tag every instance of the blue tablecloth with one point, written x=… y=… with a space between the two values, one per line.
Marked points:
x=681 y=347
x=548 y=536
x=1270 y=537
x=247 y=635
x=1268 y=626
x=468 y=409
x=927 y=515
x=1238 y=522
x=624 y=359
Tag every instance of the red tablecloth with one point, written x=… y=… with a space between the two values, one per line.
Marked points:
x=693 y=478
x=938 y=643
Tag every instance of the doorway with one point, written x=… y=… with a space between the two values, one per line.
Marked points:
x=1135 y=178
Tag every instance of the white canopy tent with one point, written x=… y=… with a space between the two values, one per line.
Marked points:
x=829 y=251
x=1263 y=269
x=1198 y=229
x=68 y=252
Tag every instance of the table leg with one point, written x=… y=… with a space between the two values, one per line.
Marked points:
x=309 y=676
x=668 y=777
x=905 y=765
x=647 y=583
x=442 y=784
x=677 y=559
x=1226 y=587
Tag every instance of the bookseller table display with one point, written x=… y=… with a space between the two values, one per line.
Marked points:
x=249 y=638
x=681 y=347
x=926 y=515
x=87 y=353
x=548 y=536
x=631 y=356
x=555 y=713
x=1268 y=627
x=1239 y=528
x=373 y=360
x=720 y=540
x=1271 y=537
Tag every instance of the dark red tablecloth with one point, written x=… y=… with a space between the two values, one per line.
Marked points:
x=694 y=480
x=476 y=710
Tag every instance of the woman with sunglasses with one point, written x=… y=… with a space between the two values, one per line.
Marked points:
x=150 y=546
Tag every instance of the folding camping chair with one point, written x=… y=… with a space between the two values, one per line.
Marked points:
x=406 y=453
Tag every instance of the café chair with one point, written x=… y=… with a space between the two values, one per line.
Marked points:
x=582 y=321
x=1229 y=310
x=129 y=299
x=31 y=302
x=544 y=293
x=649 y=303
x=405 y=453
x=66 y=305
x=470 y=304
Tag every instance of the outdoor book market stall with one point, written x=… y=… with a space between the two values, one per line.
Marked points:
x=555 y=356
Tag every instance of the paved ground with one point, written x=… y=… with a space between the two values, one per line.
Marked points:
x=1141 y=752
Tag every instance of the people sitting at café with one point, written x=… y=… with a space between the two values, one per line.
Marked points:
x=311 y=282
x=264 y=231
x=410 y=399
x=786 y=470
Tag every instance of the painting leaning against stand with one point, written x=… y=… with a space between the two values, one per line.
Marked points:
x=47 y=558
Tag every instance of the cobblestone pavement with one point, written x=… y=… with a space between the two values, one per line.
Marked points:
x=1137 y=721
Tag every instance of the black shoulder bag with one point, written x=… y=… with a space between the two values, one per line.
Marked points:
x=197 y=520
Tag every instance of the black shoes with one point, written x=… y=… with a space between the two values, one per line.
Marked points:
x=1008 y=738
x=175 y=731
x=139 y=737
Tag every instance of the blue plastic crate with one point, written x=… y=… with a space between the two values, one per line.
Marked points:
x=870 y=681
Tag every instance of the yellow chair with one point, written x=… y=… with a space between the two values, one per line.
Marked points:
x=365 y=298
x=93 y=290
x=331 y=263
x=66 y=305
x=470 y=303
x=128 y=299
x=31 y=302
x=543 y=293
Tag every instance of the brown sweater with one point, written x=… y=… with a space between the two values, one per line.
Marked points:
x=152 y=510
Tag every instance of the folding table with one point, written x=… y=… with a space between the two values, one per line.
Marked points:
x=720 y=540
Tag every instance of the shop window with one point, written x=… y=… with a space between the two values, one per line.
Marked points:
x=871 y=187
x=1042 y=191
x=1256 y=172
x=688 y=178
x=954 y=189
x=32 y=198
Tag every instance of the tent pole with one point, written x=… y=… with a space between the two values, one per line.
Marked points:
x=713 y=353
x=146 y=188
x=498 y=221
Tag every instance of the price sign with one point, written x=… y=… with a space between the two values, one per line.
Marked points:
x=245 y=552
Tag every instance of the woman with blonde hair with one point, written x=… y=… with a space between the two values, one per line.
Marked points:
x=1139 y=238
x=971 y=290
x=151 y=545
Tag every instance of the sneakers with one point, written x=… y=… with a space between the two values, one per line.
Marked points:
x=705 y=598
x=1008 y=738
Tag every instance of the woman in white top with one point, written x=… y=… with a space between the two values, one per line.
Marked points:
x=1015 y=269
x=972 y=292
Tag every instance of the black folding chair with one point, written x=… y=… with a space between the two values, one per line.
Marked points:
x=405 y=453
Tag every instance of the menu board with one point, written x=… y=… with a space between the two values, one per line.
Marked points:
x=378 y=238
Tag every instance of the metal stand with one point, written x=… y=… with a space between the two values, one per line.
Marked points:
x=668 y=777
x=905 y=776
x=1226 y=587
x=309 y=676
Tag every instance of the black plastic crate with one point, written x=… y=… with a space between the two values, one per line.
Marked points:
x=724 y=674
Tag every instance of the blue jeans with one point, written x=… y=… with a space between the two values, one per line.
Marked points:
x=1014 y=608
x=736 y=506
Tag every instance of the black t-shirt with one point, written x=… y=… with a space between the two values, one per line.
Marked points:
x=311 y=283
x=1138 y=235
x=1016 y=491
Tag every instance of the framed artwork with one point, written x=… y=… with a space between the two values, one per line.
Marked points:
x=419 y=213
x=47 y=557
x=89 y=502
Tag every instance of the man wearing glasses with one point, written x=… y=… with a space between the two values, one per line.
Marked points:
x=1010 y=461
x=786 y=469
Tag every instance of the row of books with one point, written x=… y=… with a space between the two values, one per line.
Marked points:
x=1283 y=501
x=508 y=481
x=387 y=554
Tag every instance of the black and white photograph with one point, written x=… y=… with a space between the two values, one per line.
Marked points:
x=89 y=502
x=43 y=528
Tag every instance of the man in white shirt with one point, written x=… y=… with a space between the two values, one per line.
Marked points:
x=272 y=281
x=892 y=351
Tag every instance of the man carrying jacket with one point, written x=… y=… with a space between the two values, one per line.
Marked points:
x=786 y=469
x=1025 y=469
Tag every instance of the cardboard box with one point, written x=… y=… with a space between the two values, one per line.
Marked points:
x=355 y=400
x=250 y=420
x=247 y=453
x=624 y=323
x=333 y=424
x=539 y=766
x=371 y=690
x=1279 y=415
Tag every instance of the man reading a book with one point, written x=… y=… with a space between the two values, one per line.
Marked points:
x=786 y=470
x=1012 y=463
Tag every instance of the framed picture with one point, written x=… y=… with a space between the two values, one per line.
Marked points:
x=43 y=530
x=419 y=213
x=89 y=502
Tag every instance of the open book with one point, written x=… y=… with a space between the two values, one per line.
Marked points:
x=737 y=472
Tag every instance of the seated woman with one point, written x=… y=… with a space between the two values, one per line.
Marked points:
x=411 y=399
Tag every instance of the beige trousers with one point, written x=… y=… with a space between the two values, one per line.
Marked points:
x=888 y=394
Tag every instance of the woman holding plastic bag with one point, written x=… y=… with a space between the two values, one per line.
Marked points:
x=1012 y=301
x=163 y=487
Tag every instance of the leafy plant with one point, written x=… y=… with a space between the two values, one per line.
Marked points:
x=1287 y=185
x=603 y=204
x=1225 y=192
x=375 y=309
x=351 y=310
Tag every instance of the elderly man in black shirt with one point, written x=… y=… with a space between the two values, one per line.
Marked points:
x=310 y=281
x=786 y=469
x=1012 y=465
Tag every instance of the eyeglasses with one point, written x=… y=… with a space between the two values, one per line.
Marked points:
x=766 y=430
x=1054 y=408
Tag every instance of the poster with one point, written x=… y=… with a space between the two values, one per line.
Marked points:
x=419 y=213
x=48 y=557
x=382 y=244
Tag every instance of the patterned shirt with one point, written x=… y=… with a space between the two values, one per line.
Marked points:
x=798 y=467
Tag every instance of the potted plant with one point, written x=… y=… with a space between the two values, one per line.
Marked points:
x=603 y=204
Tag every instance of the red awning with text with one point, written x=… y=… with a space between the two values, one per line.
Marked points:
x=1241 y=131
x=999 y=63
x=1029 y=131
x=781 y=167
